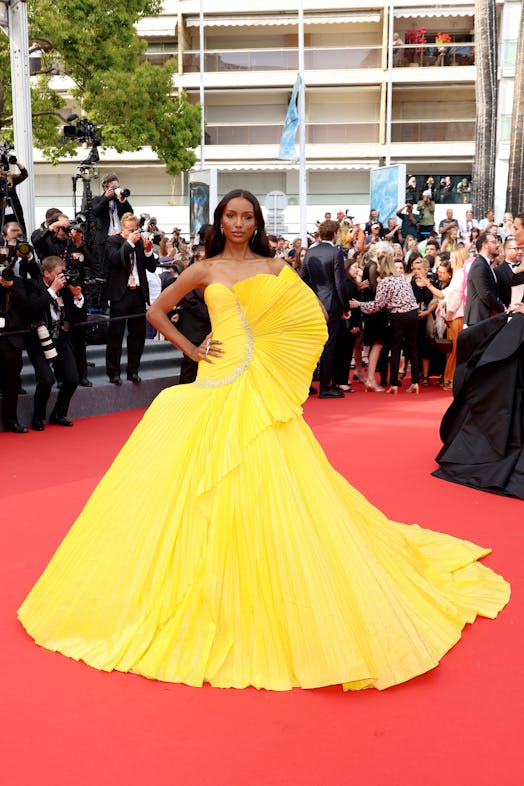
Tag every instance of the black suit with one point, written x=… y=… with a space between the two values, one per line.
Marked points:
x=323 y=270
x=13 y=310
x=482 y=293
x=102 y=208
x=194 y=323
x=65 y=366
x=124 y=301
x=506 y=279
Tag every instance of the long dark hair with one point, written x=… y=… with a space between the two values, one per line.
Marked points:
x=258 y=242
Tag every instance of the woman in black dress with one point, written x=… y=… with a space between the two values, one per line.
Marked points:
x=482 y=430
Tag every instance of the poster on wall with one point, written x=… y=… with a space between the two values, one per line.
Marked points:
x=387 y=190
x=202 y=197
x=198 y=206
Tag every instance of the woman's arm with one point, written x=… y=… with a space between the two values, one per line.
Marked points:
x=380 y=301
x=194 y=277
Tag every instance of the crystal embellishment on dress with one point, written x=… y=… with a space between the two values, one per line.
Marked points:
x=241 y=367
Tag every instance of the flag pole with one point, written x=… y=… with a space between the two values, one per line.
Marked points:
x=302 y=186
x=389 y=105
x=202 y=109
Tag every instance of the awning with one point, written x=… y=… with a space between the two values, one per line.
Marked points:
x=277 y=20
x=156 y=26
x=270 y=166
x=434 y=13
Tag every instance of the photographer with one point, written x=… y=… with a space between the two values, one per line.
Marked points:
x=108 y=209
x=50 y=239
x=13 y=307
x=409 y=219
x=16 y=252
x=426 y=211
x=129 y=255
x=10 y=207
x=55 y=306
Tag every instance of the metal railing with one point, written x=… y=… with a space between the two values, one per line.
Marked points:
x=319 y=59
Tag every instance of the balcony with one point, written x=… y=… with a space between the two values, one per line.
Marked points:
x=434 y=55
x=284 y=59
x=432 y=130
x=346 y=133
x=326 y=59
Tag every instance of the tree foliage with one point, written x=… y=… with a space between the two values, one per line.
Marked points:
x=95 y=44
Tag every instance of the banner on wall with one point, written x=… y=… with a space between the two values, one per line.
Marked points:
x=387 y=189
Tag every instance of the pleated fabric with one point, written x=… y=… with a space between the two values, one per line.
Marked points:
x=222 y=547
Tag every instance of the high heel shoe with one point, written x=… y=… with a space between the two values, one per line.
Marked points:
x=358 y=375
x=372 y=387
x=392 y=389
x=414 y=388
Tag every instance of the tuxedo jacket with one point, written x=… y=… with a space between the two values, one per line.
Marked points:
x=119 y=254
x=101 y=211
x=323 y=270
x=506 y=279
x=482 y=294
x=14 y=306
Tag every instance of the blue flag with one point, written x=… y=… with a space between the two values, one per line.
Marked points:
x=287 y=150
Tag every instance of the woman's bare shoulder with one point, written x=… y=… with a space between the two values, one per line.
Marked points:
x=275 y=264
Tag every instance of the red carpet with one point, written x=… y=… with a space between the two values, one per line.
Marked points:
x=65 y=724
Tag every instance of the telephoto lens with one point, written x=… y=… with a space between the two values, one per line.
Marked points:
x=6 y=273
x=46 y=342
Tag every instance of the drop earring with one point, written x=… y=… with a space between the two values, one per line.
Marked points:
x=253 y=236
x=221 y=229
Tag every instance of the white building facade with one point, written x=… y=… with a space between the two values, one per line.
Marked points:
x=249 y=66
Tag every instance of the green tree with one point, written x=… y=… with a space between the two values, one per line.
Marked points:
x=95 y=44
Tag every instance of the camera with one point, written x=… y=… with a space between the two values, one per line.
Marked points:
x=430 y=276
x=6 y=158
x=23 y=248
x=147 y=236
x=15 y=246
x=79 y=223
x=122 y=192
x=6 y=271
x=72 y=275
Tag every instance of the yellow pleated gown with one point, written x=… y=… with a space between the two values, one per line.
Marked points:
x=222 y=547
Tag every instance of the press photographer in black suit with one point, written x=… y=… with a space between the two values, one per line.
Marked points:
x=62 y=237
x=55 y=307
x=51 y=236
x=128 y=257
x=108 y=210
x=13 y=310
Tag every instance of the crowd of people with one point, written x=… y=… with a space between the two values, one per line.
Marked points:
x=396 y=294
x=48 y=281
x=399 y=294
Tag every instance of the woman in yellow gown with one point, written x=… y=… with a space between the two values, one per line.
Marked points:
x=221 y=546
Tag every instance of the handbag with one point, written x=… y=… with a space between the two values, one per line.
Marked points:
x=444 y=345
